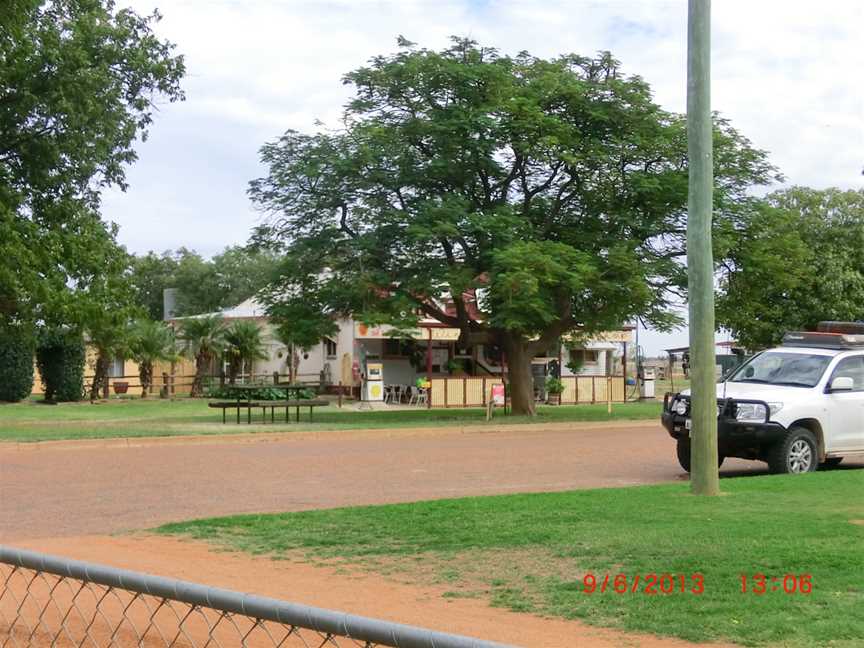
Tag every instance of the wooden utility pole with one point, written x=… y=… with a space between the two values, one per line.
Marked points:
x=704 y=478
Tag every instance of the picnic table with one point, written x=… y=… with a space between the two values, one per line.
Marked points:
x=244 y=399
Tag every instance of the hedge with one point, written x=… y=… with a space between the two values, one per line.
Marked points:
x=16 y=364
x=60 y=357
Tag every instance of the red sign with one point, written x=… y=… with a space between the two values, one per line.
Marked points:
x=498 y=394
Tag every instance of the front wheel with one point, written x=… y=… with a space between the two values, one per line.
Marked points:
x=795 y=453
x=683 y=451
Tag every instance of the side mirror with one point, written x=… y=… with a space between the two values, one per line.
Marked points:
x=842 y=383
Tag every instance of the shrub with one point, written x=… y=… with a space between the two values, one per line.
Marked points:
x=60 y=357
x=262 y=394
x=16 y=364
x=554 y=385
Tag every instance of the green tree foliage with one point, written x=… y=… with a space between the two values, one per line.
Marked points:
x=203 y=338
x=106 y=310
x=204 y=286
x=16 y=363
x=552 y=190
x=150 y=342
x=79 y=81
x=60 y=357
x=798 y=258
x=243 y=344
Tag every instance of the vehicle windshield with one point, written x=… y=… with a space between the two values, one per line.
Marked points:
x=779 y=368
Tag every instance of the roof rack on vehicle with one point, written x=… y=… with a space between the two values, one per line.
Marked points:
x=850 y=328
x=823 y=340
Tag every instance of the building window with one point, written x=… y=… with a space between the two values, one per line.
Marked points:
x=329 y=348
x=583 y=356
x=116 y=368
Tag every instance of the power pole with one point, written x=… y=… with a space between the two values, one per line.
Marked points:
x=704 y=477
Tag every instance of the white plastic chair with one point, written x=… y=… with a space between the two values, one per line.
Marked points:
x=422 y=396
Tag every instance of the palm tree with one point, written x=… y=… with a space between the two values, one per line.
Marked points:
x=151 y=342
x=109 y=336
x=203 y=340
x=243 y=342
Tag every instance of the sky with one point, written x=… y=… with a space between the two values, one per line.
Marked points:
x=787 y=73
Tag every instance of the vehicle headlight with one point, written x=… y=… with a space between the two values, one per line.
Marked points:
x=751 y=413
x=680 y=407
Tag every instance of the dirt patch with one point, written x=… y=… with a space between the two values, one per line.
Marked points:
x=482 y=574
x=331 y=586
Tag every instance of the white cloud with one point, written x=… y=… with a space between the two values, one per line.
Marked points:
x=787 y=73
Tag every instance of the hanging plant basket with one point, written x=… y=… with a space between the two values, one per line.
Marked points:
x=121 y=387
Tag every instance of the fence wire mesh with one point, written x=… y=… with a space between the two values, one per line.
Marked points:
x=41 y=607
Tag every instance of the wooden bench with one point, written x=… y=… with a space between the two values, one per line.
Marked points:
x=250 y=405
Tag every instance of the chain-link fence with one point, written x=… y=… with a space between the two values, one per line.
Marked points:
x=51 y=601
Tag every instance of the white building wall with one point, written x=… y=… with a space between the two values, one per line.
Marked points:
x=590 y=368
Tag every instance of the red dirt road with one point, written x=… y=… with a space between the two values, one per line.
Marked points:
x=76 y=488
x=359 y=593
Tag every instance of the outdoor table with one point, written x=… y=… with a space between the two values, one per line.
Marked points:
x=246 y=390
x=239 y=390
x=288 y=388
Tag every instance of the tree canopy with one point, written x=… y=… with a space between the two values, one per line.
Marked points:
x=552 y=192
x=798 y=259
x=203 y=285
x=79 y=82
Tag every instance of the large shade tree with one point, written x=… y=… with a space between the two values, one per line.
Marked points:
x=552 y=191
x=798 y=259
x=79 y=82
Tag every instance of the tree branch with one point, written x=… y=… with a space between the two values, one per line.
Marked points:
x=343 y=222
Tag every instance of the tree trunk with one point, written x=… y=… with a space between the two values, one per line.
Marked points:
x=202 y=361
x=234 y=366
x=100 y=376
x=145 y=373
x=291 y=364
x=519 y=375
x=295 y=364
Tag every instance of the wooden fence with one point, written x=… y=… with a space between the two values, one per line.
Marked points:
x=179 y=384
x=474 y=392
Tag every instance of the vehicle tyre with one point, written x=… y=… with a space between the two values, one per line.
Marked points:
x=683 y=451
x=796 y=453
x=830 y=462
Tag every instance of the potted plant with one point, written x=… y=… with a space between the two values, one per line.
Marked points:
x=455 y=366
x=554 y=387
x=121 y=387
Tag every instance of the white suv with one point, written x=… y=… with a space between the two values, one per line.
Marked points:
x=795 y=407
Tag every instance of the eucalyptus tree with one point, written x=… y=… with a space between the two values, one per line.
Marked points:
x=551 y=192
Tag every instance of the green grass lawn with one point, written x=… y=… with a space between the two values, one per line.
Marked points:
x=30 y=421
x=531 y=553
